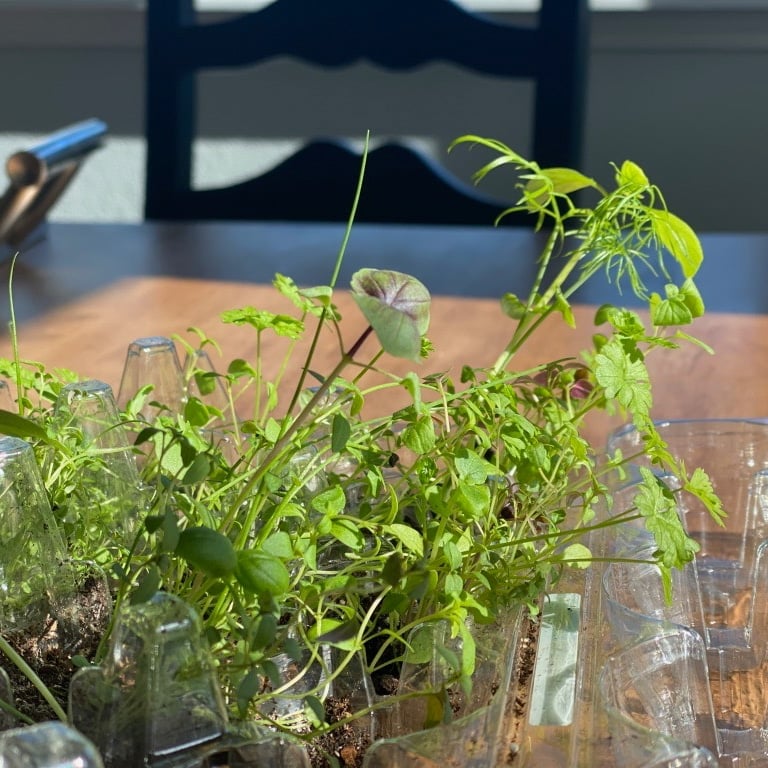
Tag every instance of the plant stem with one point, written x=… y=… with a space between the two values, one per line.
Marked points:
x=15 y=337
x=334 y=276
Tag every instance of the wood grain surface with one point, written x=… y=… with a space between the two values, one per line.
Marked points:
x=90 y=335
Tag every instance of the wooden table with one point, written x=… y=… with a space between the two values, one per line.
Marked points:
x=86 y=291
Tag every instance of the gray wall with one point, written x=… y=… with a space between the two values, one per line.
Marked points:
x=680 y=93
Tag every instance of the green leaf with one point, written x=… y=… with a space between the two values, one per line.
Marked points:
x=264 y=631
x=272 y=430
x=577 y=555
x=340 y=432
x=632 y=174
x=657 y=505
x=397 y=307
x=679 y=239
x=293 y=649
x=565 y=309
x=205 y=381
x=339 y=634
x=437 y=709
x=171 y=533
x=197 y=471
x=196 y=413
x=409 y=537
x=670 y=311
x=473 y=468
x=623 y=378
x=450 y=657
x=208 y=550
x=330 y=502
x=392 y=570
x=261 y=320
x=345 y=530
x=512 y=306
x=419 y=436
x=412 y=383
x=560 y=181
x=147 y=433
x=453 y=584
x=452 y=554
x=14 y=425
x=300 y=298
x=278 y=544
x=474 y=500
x=147 y=586
x=692 y=297
x=249 y=686
x=700 y=485
x=468 y=651
x=322 y=297
x=420 y=645
x=314 y=710
x=171 y=459
x=240 y=367
x=153 y=522
x=262 y=573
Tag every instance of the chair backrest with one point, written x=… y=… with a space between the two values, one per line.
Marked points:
x=401 y=186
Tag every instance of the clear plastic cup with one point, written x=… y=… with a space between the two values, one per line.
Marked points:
x=157 y=693
x=153 y=360
x=32 y=578
x=107 y=492
x=47 y=745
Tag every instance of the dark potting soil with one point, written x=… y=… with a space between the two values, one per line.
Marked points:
x=517 y=706
x=347 y=743
x=49 y=645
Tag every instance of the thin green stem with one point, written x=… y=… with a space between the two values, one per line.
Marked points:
x=15 y=338
x=334 y=277
x=11 y=710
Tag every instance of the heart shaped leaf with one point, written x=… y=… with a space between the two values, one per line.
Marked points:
x=397 y=307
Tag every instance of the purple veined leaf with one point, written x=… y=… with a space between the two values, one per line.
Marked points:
x=397 y=307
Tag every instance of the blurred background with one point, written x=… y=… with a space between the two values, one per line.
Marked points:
x=678 y=86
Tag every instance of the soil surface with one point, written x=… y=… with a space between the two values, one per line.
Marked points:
x=49 y=646
x=347 y=743
x=517 y=706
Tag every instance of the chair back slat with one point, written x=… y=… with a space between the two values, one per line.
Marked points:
x=401 y=185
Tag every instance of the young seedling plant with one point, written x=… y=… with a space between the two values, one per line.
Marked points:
x=309 y=535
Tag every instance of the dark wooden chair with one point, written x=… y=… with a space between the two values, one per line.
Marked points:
x=400 y=185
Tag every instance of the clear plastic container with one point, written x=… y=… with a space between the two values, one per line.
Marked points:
x=33 y=578
x=108 y=491
x=153 y=361
x=157 y=701
x=47 y=745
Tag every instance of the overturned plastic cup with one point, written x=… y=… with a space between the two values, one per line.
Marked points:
x=32 y=578
x=157 y=693
x=152 y=361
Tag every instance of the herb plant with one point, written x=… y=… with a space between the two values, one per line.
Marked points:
x=306 y=530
